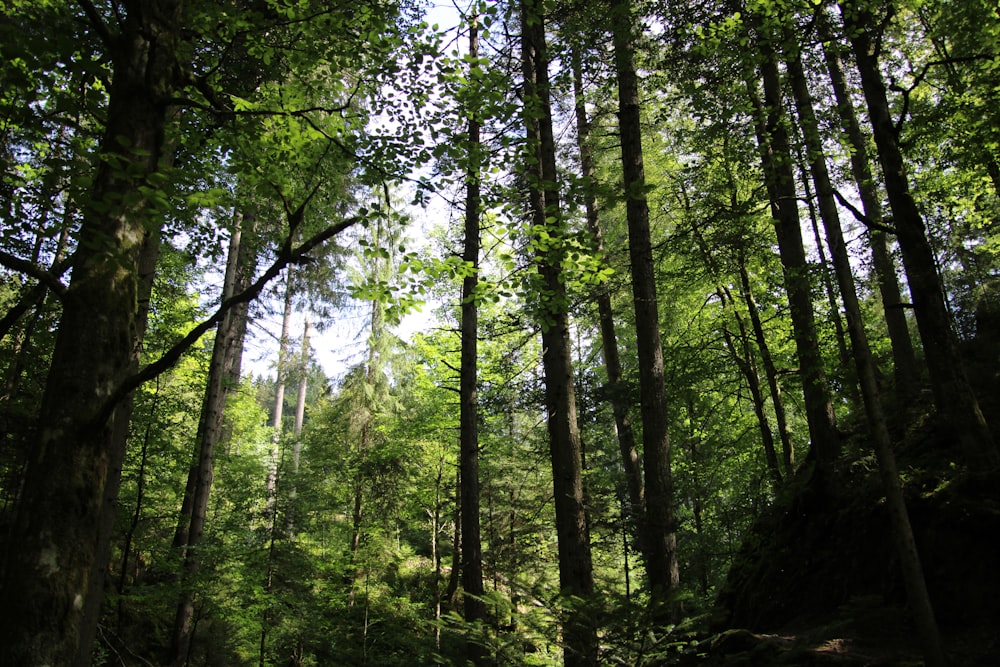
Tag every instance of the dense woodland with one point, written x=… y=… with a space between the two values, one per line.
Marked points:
x=708 y=354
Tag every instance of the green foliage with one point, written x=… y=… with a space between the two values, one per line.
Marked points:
x=293 y=116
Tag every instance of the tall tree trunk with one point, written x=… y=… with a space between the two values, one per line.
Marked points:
x=451 y=590
x=844 y=374
x=300 y=416
x=913 y=576
x=743 y=355
x=148 y=257
x=906 y=370
x=435 y=517
x=953 y=396
x=770 y=370
x=281 y=380
x=140 y=497
x=663 y=570
x=472 y=555
x=223 y=377
x=57 y=535
x=368 y=408
x=635 y=502
x=776 y=159
x=575 y=565
x=300 y=397
x=274 y=458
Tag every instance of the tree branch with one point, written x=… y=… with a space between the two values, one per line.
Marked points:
x=98 y=23
x=861 y=217
x=286 y=256
x=30 y=299
x=48 y=279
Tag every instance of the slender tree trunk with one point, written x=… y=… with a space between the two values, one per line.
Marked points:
x=472 y=555
x=451 y=590
x=744 y=358
x=300 y=398
x=770 y=370
x=663 y=570
x=223 y=377
x=435 y=518
x=913 y=576
x=140 y=497
x=844 y=374
x=274 y=456
x=635 y=504
x=57 y=536
x=35 y=298
x=953 y=395
x=697 y=504
x=906 y=370
x=365 y=437
x=300 y=416
x=575 y=565
x=281 y=380
x=772 y=135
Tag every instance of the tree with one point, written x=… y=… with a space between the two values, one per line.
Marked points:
x=50 y=571
x=664 y=577
x=913 y=575
x=472 y=558
x=609 y=338
x=905 y=368
x=953 y=396
x=223 y=378
x=776 y=158
x=547 y=228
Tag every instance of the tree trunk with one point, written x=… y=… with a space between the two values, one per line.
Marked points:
x=953 y=396
x=300 y=416
x=635 y=502
x=906 y=370
x=772 y=136
x=472 y=555
x=575 y=565
x=770 y=370
x=844 y=375
x=451 y=590
x=912 y=571
x=663 y=571
x=744 y=358
x=57 y=534
x=223 y=377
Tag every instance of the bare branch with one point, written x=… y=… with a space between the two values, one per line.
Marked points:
x=861 y=217
x=48 y=279
x=97 y=22
x=286 y=256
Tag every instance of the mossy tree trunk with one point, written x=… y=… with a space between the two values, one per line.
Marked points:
x=56 y=538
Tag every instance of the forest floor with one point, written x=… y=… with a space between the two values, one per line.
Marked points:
x=866 y=633
x=816 y=581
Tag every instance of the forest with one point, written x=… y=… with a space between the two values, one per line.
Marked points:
x=486 y=332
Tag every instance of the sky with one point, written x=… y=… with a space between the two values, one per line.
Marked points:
x=342 y=343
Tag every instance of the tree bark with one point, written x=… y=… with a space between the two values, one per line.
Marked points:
x=913 y=576
x=616 y=389
x=57 y=534
x=223 y=378
x=953 y=396
x=772 y=135
x=770 y=370
x=844 y=376
x=906 y=370
x=575 y=565
x=663 y=570
x=472 y=555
